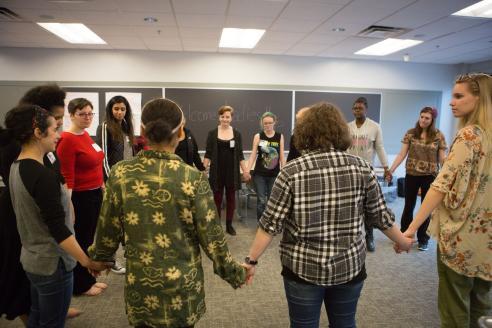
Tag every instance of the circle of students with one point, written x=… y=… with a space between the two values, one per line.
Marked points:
x=71 y=201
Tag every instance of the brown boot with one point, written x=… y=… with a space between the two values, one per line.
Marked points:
x=230 y=229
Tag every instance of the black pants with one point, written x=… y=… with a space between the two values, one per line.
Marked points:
x=87 y=205
x=412 y=185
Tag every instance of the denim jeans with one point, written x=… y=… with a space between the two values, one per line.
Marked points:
x=305 y=303
x=50 y=298
x=263 y=186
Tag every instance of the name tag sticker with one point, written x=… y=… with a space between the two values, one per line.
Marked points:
x=232 y=144
x=96 y=147
x=51 y=157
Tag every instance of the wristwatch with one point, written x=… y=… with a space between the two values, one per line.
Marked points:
x=249 y=261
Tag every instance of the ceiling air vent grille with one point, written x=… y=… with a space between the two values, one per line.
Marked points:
x=382 y=32
x=7 y=15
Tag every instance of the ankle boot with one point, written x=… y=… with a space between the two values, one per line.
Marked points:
x=229 y=228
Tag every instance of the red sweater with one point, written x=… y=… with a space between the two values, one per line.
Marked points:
x=80 y=162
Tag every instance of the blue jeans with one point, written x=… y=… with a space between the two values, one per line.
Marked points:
x=50 y=298
x=305 y=304
x=263 y=186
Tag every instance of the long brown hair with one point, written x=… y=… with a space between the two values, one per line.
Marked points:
x=116 y=129
x=431 y=130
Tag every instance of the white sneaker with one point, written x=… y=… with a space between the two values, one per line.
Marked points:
x=118 y=268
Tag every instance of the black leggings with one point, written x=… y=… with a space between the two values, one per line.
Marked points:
x=87 y=205
x=412 y=185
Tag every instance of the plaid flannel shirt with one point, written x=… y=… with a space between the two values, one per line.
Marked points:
x=321 y=202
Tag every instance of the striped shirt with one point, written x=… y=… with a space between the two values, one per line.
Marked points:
x=321 y=202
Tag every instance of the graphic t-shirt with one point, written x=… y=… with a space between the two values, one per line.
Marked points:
x=268 y=159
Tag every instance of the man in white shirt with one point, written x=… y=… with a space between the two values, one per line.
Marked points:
x=367 y=139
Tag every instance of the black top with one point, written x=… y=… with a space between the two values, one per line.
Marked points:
x=212 y=153
x=44 y=185
x=293 y=152
x=113 y=149
x=9 y=154
x=268 y=158
x=188 y=150
x=226 y=157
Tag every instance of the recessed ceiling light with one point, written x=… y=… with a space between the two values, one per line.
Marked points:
x=480 y=9
x=73 y=33
x=387 y=47
x=338 y=29
x=150 y=19
x=240 y=38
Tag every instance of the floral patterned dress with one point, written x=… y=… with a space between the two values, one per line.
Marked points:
x=462 y=223
x=165 y=210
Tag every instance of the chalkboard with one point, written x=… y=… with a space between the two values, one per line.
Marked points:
x=200 y=108
x=344 y=101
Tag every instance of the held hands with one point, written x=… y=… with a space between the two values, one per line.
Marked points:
x=388 y=176
x=246 y=176
x=406 y=243
x=250 y=272
x=95 y=267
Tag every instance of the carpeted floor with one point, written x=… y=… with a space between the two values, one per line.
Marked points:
x=400 y=290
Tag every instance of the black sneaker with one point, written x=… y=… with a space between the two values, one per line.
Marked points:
x=371 y=246
x=230 y=230
x=423 y=247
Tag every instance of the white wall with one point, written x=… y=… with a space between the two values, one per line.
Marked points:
x=210 y=69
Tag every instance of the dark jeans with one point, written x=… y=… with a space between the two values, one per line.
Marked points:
x=87 y=205
x=412 y=185
x=263 y=186
x=50 y=298
x=305 y=303
x=230 y=200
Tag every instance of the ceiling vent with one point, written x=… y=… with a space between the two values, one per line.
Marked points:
x=382 y=32
x=7 y=15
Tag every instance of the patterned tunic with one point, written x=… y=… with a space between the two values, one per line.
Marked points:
x=423 y=158
x=165 y=210
x=462 y=223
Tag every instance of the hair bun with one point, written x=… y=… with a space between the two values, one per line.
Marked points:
x=435 y=112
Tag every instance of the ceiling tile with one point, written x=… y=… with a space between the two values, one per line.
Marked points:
x=256 y=8
x=200 y=7
x=205 y=21
x=248 y=22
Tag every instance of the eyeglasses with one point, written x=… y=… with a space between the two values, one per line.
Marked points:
x=85 y=115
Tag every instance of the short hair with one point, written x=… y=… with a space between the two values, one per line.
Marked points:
x=267 y=114
x=46 y=96
x=480 y=85
x=21 y=121
x=160 y=117
x=321 y=128
x=78 y=104
x=361 y=100
x=225 y=108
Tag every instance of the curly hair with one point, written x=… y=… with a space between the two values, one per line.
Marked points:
x=21 y=121
x=322 y=127
x=46 y=96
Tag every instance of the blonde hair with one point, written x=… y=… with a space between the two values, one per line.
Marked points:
x=480 y=85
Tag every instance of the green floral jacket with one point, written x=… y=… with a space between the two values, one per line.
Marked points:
x=164 y=210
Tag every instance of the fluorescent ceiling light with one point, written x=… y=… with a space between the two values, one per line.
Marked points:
x=387 y=47
x=73 y=33
x=240 y=38
x=480 y=9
